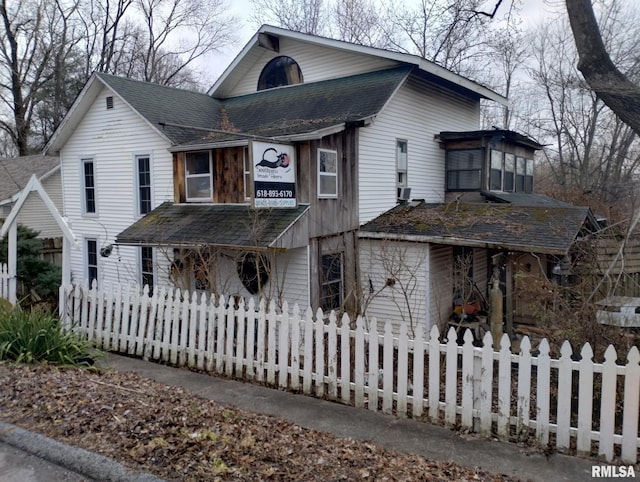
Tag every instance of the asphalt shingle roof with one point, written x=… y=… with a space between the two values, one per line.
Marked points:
x=210 y=224
x=524 y=199
x=538 y=229
x=294 y=109
x=15 y=172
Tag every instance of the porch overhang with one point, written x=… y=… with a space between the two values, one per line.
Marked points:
x=222 y=225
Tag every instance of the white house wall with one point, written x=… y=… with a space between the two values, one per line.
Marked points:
x=416 y=114
x=34 y=213
x=112 y=138
x=394 y=277
x=316 y=63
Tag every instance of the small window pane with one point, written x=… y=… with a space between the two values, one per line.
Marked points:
x=199 y=187
x=328 y=185
x=328 y=162
x=198 y=163
x=509 y=168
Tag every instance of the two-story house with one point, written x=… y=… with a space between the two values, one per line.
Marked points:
x=260 y=186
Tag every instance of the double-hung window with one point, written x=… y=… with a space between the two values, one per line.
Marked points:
x=401 y=165
x=327 y=173
x=146 y=267
x=198 y=176
x=143 y=168
x=331 y=295
x=91 y=247
x=89 y=186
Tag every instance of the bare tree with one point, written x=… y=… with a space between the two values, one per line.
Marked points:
x=306 y=16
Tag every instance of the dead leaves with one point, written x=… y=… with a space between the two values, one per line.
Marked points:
x=176 y=435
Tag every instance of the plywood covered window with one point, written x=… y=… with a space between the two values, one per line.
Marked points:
x=198 y=173
x=280 y=71
x=327 y=173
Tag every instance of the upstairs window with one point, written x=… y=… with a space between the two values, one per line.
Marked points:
x=198 y=176
x=143 y=167
x=495 y=173
x=89 y=186
x=528 y=179
x=464 y=170
x=280 y=71
x=521 y=169
x=401 y=166
x=331 y=295
x=509 y=172
x=327 y=173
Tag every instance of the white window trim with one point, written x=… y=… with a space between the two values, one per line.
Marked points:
x=86 y=259
x=327 y=174
x=84 y=160
x=193 y=176
x=136 y=182
x=405 y=171
x=140 y=273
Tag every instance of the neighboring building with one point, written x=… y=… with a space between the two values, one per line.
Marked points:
x=14 y=176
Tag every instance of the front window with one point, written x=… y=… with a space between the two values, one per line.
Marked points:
x=198 y=176
x=143 y=166
x=464 y=170
x=146 y=267
x=332 y=293
x=91 y=247
x=327 y=173
x=89 y=186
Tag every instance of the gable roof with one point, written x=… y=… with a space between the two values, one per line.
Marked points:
x=537 y=229
x=229 y=225
x=15 y=173
x=434 y=72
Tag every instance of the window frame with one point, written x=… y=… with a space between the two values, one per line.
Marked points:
x=496 y=157
x=91 y=251
x=86 y=189
x=325 y=174
x=402 y=170
x=509 y=157
x=326 y=282
x=145 y=274
x=480 y=170
x=138 y=186
x=188 y=176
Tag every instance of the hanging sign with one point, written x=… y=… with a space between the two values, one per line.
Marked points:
x=274 y=175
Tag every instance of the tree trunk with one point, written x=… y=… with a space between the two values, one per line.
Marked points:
x=612 y=86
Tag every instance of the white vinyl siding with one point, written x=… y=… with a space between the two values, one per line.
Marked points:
x=316 y=63
x=113 y=137
x=417 y=113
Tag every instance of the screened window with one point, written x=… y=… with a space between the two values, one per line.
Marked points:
x=327 y=173
x=401 y=165
x=143 y=165
x=92 y=260
x=464 y=170
x=509 y=172
x=280 y=71
x=198 y=176
x=146 y=267
x=332 y=284
x=521 y=163
x=495 y=174
x=89 y=186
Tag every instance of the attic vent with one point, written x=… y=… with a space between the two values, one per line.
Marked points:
x=110 y=102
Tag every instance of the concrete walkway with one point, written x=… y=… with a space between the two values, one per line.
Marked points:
x=404 y=435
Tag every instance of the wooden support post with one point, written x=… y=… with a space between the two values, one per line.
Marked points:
x=13 y=262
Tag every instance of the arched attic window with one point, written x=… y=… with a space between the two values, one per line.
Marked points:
x=280 y=71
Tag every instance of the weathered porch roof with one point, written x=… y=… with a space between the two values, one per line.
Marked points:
x=515 y=227
x=15 y=173
x=229 y=225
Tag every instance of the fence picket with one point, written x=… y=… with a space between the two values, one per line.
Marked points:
x=543 y=391
x=319 y=373
x=168 y=320
x=202 y=330
x=271 y=343
x=608 y=399
x=220 y=328
x=142 y=322
x=451 y=389
x=241 y=326
x=466 y=419
x=359 y=363
x=374 y=368
x=307 y=376
x=434 y=374
x=403 y=371
x=251 y=339
x=387 y=369
x=524 y=389
x=283 y=348
x=565 y=375
x=504 y=388
x=295 y=348
x=417 y=392
x=109 y=333
x=260 y=341
x=345 y=360
x=230 y=335
x=152 y=325
x=125 y=320
x=332 y=357
x=192 y=322
x=630 y=415
x=585 y=400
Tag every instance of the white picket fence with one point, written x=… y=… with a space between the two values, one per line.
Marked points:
x=592 y=408
x=4 y=281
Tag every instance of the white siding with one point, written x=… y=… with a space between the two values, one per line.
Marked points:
x=316 y=63
x=416 y=113
x=36 y=215
x=393 y=276
x=112 y=138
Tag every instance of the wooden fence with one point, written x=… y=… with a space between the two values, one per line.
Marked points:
x=575 y=406
x=4 y=281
